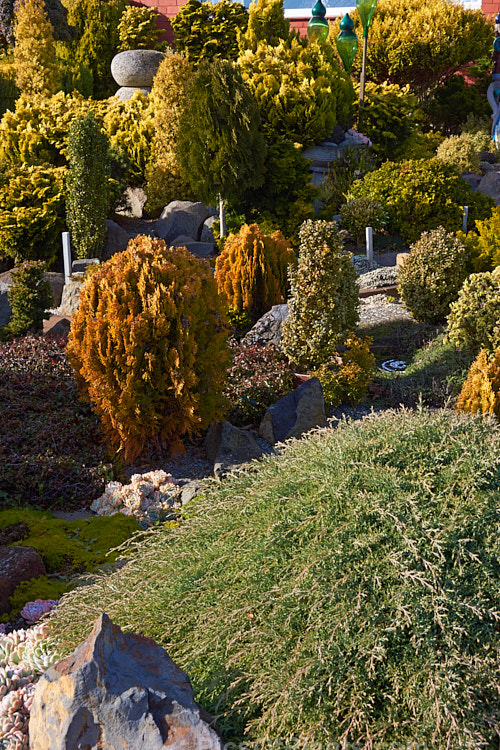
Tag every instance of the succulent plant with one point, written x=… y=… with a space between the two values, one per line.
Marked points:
x=149 y=497
x=24 y=655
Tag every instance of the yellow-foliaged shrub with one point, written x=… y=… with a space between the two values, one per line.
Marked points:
x=481 y=391
x=346 y=376
x=251 y=271
x=149 y=346
x=168 y=100
x=35 y=63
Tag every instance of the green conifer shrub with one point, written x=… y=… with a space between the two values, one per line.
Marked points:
x=483 y=243
x=323 y=296
x=345 y=378
x=149 y=346
x=300 y=90
x=432 y=276
x=8 y=91
x=29 y=296
x=251 y=270
x=285 y=199
x=460 y=150
x=205 y=30
x=356 y=215
x=88 y=193
x=391 y=118
x=31 y=213
x=98 y=41
x=36 y=132
x=474 y=317
x=168 y=99
x=266 y=23
x=479 y=127
x=220 y=146
x=453 y=102
x=422 y=194
x=129 y=126
x=35 y=64
x=138 y=28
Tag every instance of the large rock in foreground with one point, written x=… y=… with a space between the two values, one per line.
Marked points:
x=296 y=413
x=118 y=691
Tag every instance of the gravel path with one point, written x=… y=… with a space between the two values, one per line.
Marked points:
x=380 y=309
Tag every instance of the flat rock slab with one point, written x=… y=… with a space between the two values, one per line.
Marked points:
x=117 y=691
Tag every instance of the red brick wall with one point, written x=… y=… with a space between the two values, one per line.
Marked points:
x=299 y=24
x=490 y=7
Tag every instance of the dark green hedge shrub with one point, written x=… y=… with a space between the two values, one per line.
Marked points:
x=29 y=297
x=88 y=195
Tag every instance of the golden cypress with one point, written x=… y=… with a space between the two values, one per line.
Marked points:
x=251 y=271
x=35 y=62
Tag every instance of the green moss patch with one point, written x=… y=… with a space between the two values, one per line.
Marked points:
x=66 y=547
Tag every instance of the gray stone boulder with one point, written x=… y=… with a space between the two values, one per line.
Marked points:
x=17 y=564
x=118 y=691
x=207 y=230
x=227 y=447
x=181 y=218
x=70 y=301
x=135 y=199
x=116 y=239
x=125 y=93
x=472 y=178
x=80 y=265
x=296 y=413
x=268 y=329
x=56 y=281
x=488 y=157
x=201 y=249
x=136 y=67
x=490 y=185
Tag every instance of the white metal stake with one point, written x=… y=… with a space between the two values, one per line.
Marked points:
x=369 y=243
x=465 y=217
x=222 y=217
x=66 y=256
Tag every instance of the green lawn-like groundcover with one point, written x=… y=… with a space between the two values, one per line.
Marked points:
x=347 y=591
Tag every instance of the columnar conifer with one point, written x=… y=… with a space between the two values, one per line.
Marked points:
x=35 y=62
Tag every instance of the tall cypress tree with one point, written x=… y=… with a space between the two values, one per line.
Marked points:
x=35 y=62
x=87 y=201
x=221 y=149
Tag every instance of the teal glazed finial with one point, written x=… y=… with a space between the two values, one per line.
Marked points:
x=318 y=27
x=347 y=42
